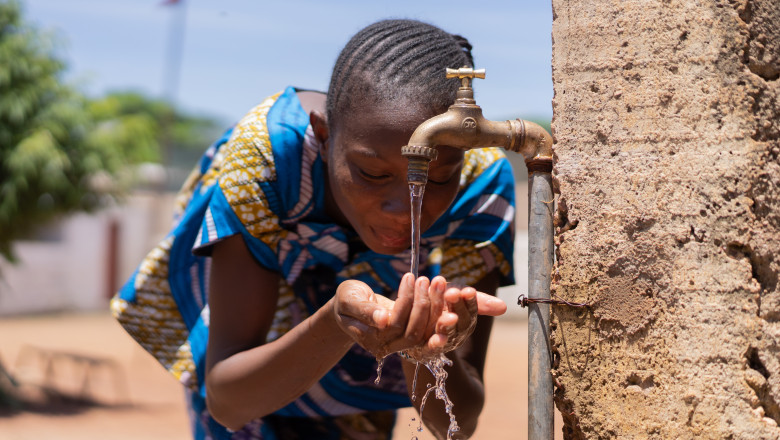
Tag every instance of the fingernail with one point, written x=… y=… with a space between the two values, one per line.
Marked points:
x=439 y=288
x=410 y=280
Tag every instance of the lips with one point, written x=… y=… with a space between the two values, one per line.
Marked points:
x=392 y=239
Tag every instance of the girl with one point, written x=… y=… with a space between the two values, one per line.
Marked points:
x=284 y=278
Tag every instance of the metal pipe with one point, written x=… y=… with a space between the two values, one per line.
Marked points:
x=463 y=126
x=540 y=262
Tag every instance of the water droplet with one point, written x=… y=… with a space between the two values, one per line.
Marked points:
x=379 y=364
x=414 y=381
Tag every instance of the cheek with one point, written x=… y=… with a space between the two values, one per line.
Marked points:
x=436 y=201
x=351 y=195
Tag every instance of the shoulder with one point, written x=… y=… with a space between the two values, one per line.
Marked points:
x=478 y=161
x=485 y=169
x=266 y=138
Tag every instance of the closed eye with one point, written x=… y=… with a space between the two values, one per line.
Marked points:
x=370 y=176
x=441 y=182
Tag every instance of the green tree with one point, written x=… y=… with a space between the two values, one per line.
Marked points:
x=144 y=129
x=46 y=161
x=55 y=143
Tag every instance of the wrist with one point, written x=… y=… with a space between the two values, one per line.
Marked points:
x=332 y=320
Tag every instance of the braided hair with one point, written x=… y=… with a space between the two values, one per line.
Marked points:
x=397 y=61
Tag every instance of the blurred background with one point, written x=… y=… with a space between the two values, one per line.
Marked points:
x=105 y=106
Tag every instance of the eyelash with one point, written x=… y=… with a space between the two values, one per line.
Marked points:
x=441 y=183
x=371 y=176
x=383 y=176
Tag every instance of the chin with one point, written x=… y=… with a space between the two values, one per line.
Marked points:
x=387 y=250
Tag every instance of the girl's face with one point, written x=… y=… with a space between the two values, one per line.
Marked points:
x=367 y=187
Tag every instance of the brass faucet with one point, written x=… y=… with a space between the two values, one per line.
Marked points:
x=463 y=126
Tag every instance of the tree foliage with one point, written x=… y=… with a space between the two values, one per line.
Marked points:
x=44 y=159
x=55 y=144
x=142 y=129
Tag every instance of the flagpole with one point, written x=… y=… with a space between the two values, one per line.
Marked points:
x=172 y=72
x=173 y=56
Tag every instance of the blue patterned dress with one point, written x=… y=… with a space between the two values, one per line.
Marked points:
x=264 y=181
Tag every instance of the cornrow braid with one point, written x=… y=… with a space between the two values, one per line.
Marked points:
x=465 y=46
x=397 y=60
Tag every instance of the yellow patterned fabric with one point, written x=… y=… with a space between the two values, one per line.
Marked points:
x=154 y=320
x=465 y=262
x=476 y=161
x=248 y=159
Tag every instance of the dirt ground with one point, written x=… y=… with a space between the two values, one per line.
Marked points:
x=97 y=383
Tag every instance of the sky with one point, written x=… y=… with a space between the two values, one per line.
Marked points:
x=236 y=52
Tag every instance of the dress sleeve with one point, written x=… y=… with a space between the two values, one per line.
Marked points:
x=479 y=226
x=241 y=191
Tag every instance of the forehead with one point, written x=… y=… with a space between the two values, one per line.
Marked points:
x=447 y=156
x=378 y=129
x=376 y=114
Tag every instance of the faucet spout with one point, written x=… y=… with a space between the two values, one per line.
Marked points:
x=466 y=128
x=463 y=126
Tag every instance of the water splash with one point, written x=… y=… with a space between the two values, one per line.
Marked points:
x=436 y=366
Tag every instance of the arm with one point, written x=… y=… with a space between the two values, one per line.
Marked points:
x=242 y=303
x=239 y=365
x=465 y=386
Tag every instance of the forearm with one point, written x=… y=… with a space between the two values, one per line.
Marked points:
x=255 y=382
x=464 y=388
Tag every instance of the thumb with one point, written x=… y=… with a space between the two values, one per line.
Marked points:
x=356 y=300
x=490 y=305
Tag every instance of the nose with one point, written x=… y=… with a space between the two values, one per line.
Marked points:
x=396 y=202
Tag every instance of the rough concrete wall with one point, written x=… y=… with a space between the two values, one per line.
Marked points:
x=666 y=123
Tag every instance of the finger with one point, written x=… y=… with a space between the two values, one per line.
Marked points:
x=355 y=299
x=445 y=328
x=418 y=318
x=438 y=286
x=446 y=323
x=462 y=302
x=437 y=342
x=490 y=305
x=403 y=303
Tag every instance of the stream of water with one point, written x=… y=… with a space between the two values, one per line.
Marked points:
x=416 y=192
x=437 y=363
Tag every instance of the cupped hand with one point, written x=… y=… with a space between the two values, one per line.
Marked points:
x=458 y=320
x=362 y=314
x=427 y=318
x=383 y=326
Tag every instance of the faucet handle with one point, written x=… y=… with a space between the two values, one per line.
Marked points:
x=465 y=74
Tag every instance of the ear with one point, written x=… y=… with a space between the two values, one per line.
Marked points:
x=320 y=126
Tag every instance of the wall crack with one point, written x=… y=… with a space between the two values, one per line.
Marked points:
x=757 y=377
